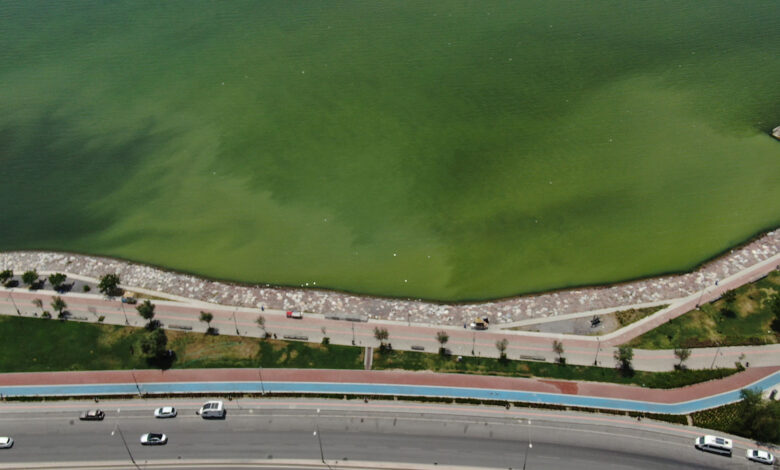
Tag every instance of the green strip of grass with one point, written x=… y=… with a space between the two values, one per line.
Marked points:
x=32 y=345
x=729 y=418
x=36 y=345
x=745 y=321
x=411 y=360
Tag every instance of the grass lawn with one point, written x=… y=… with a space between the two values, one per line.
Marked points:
x=411 y=360
x=32 y=345
x=35 y=345
x=627 y=317
x=746 y=321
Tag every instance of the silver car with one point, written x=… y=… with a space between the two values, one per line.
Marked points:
x=165 y=412
x=761 y=456
x=154 y=439
x=6 y=442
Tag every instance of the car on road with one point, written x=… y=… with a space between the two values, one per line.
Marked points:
x=761 y=456
x=165 y=412
x=714 y=444
x=212 y=409
x=154 y=439
x=294 y=314
x=6 y=442
x=92 y=415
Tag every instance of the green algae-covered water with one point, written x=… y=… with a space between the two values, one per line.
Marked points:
x=445 y=150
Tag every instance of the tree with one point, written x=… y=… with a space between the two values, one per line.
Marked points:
x=624 y=355
x=501 y=345
x=206 y=317
x=59 y=305
x=57 y=280
x=557 y=348
x=381 y=335
x=776 y=310
x=5 y=275
x=729 y=296
x=442 y=337
x=261 y=323
x=758 y=418
x=38 y=303
x=146 y=310
x=30 y=278
x=153 y=345
x=682 y=354
x=109 y=284
x=325 y=338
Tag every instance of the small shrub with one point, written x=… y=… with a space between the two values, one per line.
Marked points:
x=101 y=318
x=86 y=288
x=46 y=314
x=325 y=340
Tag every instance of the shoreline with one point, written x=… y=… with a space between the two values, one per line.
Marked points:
x=511 y=309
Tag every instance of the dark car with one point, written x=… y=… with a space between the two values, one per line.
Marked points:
x=92 y=415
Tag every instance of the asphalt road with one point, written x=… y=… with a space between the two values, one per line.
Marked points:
x=424 y=436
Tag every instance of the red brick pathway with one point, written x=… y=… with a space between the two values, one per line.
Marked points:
x=594 y=389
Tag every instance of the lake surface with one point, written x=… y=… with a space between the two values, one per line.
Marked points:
x=446 y=150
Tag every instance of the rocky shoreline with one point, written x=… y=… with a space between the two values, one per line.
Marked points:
x=323 y=301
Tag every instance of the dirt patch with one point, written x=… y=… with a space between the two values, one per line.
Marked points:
x=569 y=388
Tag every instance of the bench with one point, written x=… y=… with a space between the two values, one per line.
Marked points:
x=296 y=337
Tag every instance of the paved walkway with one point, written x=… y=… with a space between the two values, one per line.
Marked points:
x=581 y=350
x=570 y=393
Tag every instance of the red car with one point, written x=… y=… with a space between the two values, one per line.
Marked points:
x=294 y=314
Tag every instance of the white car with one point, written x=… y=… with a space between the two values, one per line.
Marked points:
x=154 y=439
x=212 y=409
x=165 y=412
x=762 y=456
x=6 y=442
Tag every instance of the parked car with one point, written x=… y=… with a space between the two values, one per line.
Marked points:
x=129 y=297
x=294 y=314
x=6 y=442
x=761 y=456
x=165 y=412
x=154 y=439
x=92 y=415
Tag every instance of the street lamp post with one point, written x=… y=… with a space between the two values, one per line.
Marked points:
x=598 y=348
x=530 y=445
x=319 y=439
x=473 y=341
x=353 y=334
x=262 y=386
x=715 y=357
x=122 y=436
x=127 y=322
x=18 y=312
x=235 y=323
x=137 y=387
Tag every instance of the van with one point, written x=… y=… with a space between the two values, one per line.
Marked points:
x=714 y=444
x=212 y=409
